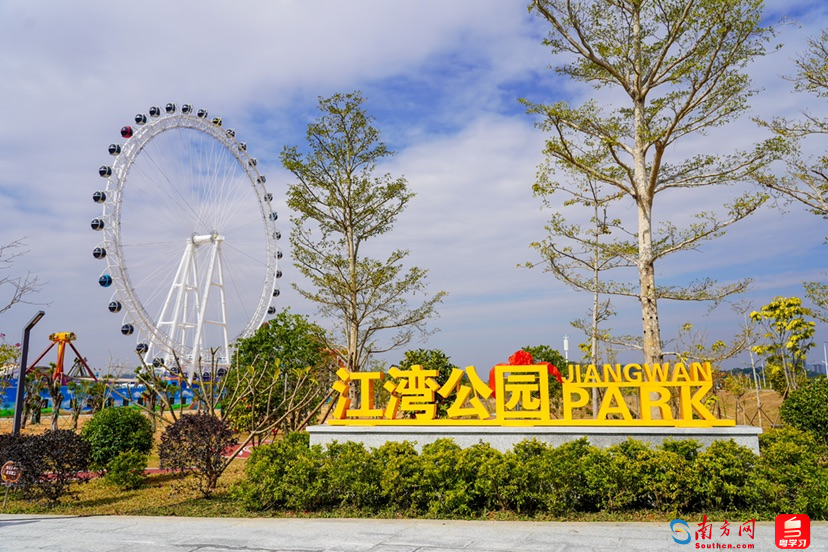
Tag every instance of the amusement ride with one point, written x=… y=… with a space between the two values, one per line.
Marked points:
x=189 y=239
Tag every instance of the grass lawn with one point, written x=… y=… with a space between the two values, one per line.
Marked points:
x=165 y=494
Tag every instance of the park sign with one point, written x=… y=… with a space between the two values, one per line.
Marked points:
x=520 y=393
x=10 y=473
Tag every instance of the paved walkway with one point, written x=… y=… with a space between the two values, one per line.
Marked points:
x=23 y=533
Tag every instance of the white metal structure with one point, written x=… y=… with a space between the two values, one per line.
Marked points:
x=180 y=181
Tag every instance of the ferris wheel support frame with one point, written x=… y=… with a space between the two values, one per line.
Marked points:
x=186 y=284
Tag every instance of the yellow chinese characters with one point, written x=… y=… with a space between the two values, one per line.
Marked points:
x=413 y=392
x=365 y=382
x=472 y=395
x=663 y=395
x=522 y=393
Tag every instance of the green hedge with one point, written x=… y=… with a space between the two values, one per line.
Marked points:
x=535 y=479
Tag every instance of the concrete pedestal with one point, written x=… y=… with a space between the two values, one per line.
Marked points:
x=504 y=438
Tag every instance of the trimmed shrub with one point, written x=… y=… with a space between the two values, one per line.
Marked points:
x=790 y=475
x=195 y=443
x=615 y=477
x=126 y=471
x=686 y=448
x=495 y=477
x=569 y=488
x=304 y=481
x=525 y=480
x=270 y=482
x=666 y=481
x=112 y=431
x=805 y=409
x=352 y=477
x=721 y=475
x=51 y=462
x=474 y=466
x=400 y=475
x=536 y=479
x=444 y=489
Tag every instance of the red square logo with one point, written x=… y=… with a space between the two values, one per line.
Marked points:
x=793 y=531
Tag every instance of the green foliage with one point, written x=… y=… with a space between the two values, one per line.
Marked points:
x=340 y=204
x=195 y=443
x=285 y=357
x=444 y=487
x=304 y=482
x=80 y=392
x=126 y=471
x=32 y=406
x=401 y=474
x=686 y=448
x=534 y=479
x=545 y=353
x=791 y=475
x=519 y=481
x=721 y=476
x=282 y=475
x=805 y=409
x=606 y=481
x=805 y=181
x=817 y=292
x=569 y=490
x=352 y=477
x=287 y=340
x=9 y=353
x=112 y=431
x=474 y=467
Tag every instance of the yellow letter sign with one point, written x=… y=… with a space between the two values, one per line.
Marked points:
x=520 y=396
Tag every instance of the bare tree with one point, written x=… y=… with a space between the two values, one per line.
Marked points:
x=15 y=288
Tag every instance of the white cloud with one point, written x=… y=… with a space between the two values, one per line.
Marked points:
x=441 y=77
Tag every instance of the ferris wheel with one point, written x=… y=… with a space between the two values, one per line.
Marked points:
x=189 y=238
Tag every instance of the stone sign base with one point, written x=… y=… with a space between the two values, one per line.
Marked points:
x=504 y=437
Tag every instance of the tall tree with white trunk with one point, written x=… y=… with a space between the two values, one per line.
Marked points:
x=674 y=69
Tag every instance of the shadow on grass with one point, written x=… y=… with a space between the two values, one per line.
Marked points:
x=98 y=502
x=159 y=479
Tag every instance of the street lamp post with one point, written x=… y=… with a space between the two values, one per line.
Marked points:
x=21 y=377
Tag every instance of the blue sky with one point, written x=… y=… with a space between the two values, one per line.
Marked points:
x=441 y=78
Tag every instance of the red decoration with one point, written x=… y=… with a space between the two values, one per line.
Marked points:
x=523 y=358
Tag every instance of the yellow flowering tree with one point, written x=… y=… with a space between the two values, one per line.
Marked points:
x=788 y=336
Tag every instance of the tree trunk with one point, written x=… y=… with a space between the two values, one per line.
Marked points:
x=646 y=261
x=353 y=323
x=593 y=349
x=644 y=193
x=644 y=196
